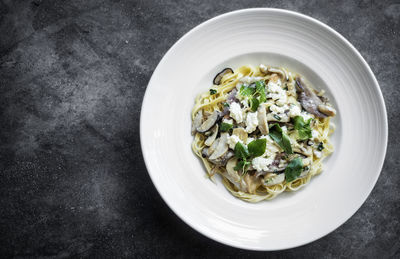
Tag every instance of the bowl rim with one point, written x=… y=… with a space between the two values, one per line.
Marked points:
x=282 y=12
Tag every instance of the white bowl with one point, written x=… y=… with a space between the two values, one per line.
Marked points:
x=280 y=38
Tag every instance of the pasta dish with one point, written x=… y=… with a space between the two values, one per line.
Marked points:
x=263 y=129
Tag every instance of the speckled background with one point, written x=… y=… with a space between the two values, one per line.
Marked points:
x=72 y=177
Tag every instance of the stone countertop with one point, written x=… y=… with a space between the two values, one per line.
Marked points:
x=72 y=79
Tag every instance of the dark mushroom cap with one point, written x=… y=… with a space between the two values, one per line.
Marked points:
x=218 y=77
x=308 y=99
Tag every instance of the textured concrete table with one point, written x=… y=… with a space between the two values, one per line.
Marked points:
x=72 y=79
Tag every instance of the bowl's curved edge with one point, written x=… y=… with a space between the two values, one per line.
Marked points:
x=342 y=38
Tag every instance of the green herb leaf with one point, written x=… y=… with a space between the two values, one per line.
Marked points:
x=213 y=91
x=293 y=169
x=320 y=146
x=257 y=147
x=246 y=91
x=286 y=144
x=239 y=166
x=260 y=89
x=254 y=104
x=303 y=127
x=241 y=151
x=276 y=133
x=242 y=166
x=256 y=91
x=225 y=126
x=226 y=104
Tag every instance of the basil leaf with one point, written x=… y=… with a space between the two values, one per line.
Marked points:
x=293 y=169
x=257 y=147
x=276 y=133
x=286 y=144
x=303 y=128
x=246 y=91
x=239 y=166
x=226 y=105
x=225 y=126
x=254 y=104
x=242 y=166
x=260 y=89
x=241 y=151
x=213 y=91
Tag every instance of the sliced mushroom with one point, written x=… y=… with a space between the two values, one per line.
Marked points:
x=221 y=148
x=252 y=183
x=268 y=69
x=326 y=109
x=248 y=183
x=274 y=78
x=207 y=124
x=263 y=68
x=213 y=153
x=231 y=171
x=231 y=97
x=204 y=152
x=220 y=75
x=225 y=112
x=233 y=176
x=213 y=147
x=241 y=134
x=308 y=99
x=262 y=120
x=271 y=169
x=222 y=160
x=197 y=121
x=279 y=71
x=278 y=169
x=208 y=133
x=278 y=158
x=210 y=140
x=273 y=179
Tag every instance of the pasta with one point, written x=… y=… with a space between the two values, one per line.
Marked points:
x=263 y=130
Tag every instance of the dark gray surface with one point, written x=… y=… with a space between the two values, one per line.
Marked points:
x=72 y=78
